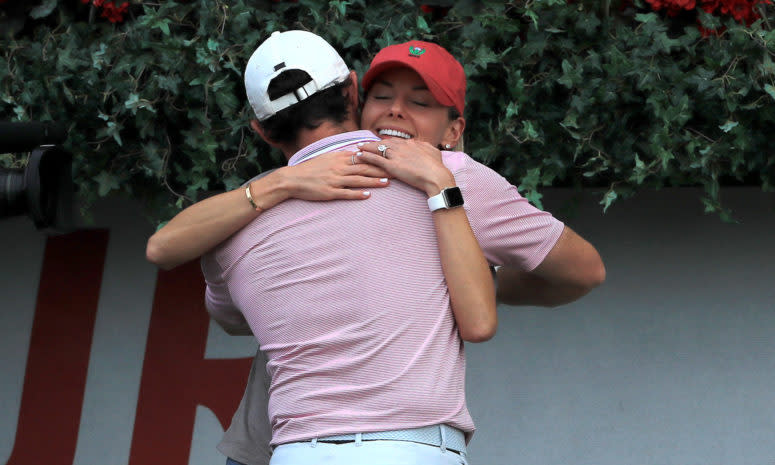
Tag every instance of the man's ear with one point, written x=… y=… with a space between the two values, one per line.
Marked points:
x=353 y=95
x=454 y=132
x=256 y=126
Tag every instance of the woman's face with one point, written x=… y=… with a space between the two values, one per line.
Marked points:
x=399 y=104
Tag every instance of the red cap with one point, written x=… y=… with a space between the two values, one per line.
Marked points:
x=442 y=73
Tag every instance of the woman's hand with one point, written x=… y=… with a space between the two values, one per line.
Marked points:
x=413 y=162
x=331 y=176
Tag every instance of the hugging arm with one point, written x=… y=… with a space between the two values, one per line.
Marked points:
x=544 y=262
x=202 y=226
x=470 y=284
x=572 y=268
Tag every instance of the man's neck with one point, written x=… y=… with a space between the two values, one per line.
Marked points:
x=309 y=136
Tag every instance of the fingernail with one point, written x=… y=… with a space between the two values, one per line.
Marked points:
x=366 y=193
x=360 y=144
x=358 y=154
x=382 y=179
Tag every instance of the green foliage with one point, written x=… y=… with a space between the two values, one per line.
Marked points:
x=559 y=94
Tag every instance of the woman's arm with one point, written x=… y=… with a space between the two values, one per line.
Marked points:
x=202 y=226
x=470 y=283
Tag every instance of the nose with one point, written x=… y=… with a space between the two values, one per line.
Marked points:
x=396 y=109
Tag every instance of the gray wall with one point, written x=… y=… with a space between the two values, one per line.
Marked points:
x=672 y=361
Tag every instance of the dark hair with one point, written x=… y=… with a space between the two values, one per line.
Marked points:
x=331 y=104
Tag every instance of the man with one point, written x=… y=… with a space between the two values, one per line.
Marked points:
x=288 y=290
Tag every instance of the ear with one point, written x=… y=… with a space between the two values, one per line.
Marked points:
x=353 y=93
x=454 y=132
x=256 y=126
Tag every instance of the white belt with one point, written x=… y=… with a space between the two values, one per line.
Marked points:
x=443 y=436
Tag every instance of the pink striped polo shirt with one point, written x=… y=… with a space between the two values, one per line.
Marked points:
x=349 y=303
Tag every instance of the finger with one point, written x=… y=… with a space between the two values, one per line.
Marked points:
x=372 y=146
x=349 y=194
x=364 y=182
x=363 y=168
x=372 y=159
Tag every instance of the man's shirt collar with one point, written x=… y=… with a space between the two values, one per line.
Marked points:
x=330 y=144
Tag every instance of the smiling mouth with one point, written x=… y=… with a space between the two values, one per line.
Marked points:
x=394 y=133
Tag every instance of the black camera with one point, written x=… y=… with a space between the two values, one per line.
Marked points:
x=43 y=190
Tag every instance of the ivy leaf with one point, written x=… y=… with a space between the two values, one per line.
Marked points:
x=341 y=7
x=641 y=170
x=533 y=16
x=114 y=130
x=608 y=199
x=588 y=22
x=530 y=180
x=164 y=27
x=529 y=131
x=535 y=197
x=227 y=102
x=770 y=89
x=728 y=126
x=354 y=34
x=422 y=24
x=98 y=56
x=199 y=184
x=106 y=182
x=44 y=9
x=646 y=18
x=512 y=110
x=232 y=182
x=484 y=56
x=134 y=102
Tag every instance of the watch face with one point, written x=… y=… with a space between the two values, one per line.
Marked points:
x=454 y=197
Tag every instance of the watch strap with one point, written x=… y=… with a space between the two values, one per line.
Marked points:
x=437 y=202
x=450 y=197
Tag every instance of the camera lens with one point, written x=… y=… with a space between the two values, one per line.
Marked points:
x=42 y=190
x=12 y=198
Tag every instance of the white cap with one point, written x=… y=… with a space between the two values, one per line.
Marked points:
x=282 y=51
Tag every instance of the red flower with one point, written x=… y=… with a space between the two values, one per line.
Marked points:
x=744 y=11
x=113 y=13
x=685 y=4
x=673 y=6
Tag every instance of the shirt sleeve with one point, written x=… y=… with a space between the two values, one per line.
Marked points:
x=509 y=229
x=218 y=298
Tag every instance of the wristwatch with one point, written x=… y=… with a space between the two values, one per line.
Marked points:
x=450 y=197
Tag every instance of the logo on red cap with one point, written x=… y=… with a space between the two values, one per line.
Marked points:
x=416 y=51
